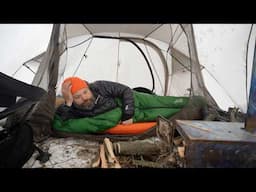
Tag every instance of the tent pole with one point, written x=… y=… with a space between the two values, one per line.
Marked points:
x=250 y=122
x=162 y=58
x=132 y=40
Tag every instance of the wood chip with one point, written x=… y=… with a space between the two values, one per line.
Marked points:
x=110 y=154
x=96 y=163
x=103 y=160
x=181 y=151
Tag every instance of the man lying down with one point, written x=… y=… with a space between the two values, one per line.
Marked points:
x=101 y=105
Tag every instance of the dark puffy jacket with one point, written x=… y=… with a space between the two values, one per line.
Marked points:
x=105 y=93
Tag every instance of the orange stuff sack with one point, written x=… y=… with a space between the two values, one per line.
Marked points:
x=134 y=128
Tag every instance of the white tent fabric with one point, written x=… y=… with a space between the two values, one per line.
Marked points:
x=111 y=60
x=221 y=51
x=20 y=43
x=138 y=35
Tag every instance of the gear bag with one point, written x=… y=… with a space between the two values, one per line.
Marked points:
x=16 y=138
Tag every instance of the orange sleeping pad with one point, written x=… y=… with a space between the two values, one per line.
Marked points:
x=134 y=128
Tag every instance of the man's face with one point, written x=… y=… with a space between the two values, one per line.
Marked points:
x=84 y=99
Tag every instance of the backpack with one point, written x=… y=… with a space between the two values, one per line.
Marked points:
x=16 y=146
x=16 y=137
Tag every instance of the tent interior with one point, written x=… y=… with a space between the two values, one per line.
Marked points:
x=219 y=49
x=210 y=60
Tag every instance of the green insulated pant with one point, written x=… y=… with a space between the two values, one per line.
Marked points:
x=147 y=108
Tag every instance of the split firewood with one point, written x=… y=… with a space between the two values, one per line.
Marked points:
x=103 y=160
x=177 y=140
x=96 y=163
x=110 y=154
x=96 y=160
x=181 y=151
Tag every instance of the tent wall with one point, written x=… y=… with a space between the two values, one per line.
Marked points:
x=19 y=43
x=46 y=77
x=159 y=42
x=91 y=64
x=222 y=53
x=221 y=48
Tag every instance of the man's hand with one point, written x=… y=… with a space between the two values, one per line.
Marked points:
x=127 y=122
x=66 y=92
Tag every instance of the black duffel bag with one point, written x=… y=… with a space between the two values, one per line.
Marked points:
x=16 y=146
x=16 y=136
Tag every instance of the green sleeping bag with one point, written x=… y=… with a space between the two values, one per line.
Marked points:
x=147 y=108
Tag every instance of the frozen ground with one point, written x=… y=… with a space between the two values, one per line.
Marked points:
x=66 y=153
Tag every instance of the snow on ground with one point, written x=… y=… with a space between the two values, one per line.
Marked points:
x=66 y=153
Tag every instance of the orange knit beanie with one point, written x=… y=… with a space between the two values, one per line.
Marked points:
x=76 y=84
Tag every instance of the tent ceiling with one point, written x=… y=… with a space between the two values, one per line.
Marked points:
x=156 y=31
